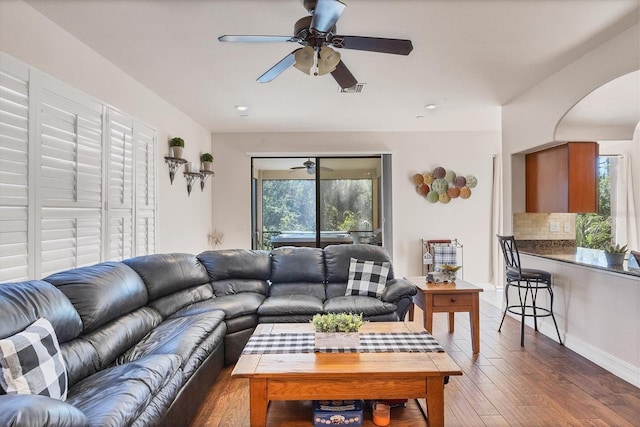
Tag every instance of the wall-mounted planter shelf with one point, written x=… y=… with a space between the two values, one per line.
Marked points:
x=192 y=176
x=204 y=174
x=174 y=164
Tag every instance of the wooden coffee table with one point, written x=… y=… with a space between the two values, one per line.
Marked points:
x=308 y=376
x=448 y=297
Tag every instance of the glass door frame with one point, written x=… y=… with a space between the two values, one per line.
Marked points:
x=381 y=189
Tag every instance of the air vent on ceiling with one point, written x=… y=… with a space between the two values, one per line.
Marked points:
x=357 y=88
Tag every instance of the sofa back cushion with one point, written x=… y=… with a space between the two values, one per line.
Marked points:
x=297 y=265
x=101 y=292
x=234 y=271
x=337 y=258
x=23 y=303
x=164 y=274
x=236 y=264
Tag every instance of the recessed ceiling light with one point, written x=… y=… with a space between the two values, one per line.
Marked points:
x=241 y=107
x=431 y=106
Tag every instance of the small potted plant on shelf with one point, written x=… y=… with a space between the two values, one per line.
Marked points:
x=449 y=271
x=177 y=145
x=615 y=255
x=337 y=330
x=206 y=160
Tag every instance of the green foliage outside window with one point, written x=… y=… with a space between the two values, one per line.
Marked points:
x=290 y=205
x=593 y=230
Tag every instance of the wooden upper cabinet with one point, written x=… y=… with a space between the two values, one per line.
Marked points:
x=563 y=178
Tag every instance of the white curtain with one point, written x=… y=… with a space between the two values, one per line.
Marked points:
x=497 y=205
x=624 y=209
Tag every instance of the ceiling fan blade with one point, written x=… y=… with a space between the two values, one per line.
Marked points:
x=373 y=44
x=326 y=14
x=257 y=39
x=343 y=76
x=277 y=69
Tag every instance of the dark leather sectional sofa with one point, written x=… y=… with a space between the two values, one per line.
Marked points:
x=144 y=339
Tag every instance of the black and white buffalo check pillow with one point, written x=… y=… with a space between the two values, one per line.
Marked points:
x=367 y=278
x=32 y=364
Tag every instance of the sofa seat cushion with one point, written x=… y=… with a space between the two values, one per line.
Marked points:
x=41 y=411
x=232 y=305
x=284 y=305
x=118 y=395
x=192 y=338
x=249 y=321
x=298 y=318
x=367 y=306
x=169 y=304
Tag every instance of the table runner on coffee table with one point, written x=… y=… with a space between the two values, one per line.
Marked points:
x=379 y=342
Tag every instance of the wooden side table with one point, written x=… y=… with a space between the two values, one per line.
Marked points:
x=448 y=297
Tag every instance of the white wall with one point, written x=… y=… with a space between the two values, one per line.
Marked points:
x=30 y=37
x=468 y=153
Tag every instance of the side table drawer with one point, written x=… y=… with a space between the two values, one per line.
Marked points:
x=452 y=300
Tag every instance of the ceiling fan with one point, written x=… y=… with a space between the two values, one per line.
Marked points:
x=317 y=35
x=310 y=166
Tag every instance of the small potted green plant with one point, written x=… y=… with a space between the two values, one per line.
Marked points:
x=206 y=160
x=449 y=271
x=615 y=254
x=177 y=145
x=337 y=330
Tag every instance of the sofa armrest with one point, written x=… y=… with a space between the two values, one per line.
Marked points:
x=33 y=410
x=398 y=288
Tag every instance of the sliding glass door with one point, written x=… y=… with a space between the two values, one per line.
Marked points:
x=317 y=201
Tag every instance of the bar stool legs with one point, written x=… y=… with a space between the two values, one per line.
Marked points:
x=528 y=307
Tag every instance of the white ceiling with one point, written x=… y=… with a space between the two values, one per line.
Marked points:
x=469 y=57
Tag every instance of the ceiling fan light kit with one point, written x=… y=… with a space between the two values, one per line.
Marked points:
x=305 y=58
x=310 y=167
x=317 y=35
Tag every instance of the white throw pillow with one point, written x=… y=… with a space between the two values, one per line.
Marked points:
x=367 y=278
x=31 y=362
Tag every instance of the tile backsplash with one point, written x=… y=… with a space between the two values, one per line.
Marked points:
x=544 y=226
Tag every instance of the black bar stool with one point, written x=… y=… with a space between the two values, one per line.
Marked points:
x=528 y=281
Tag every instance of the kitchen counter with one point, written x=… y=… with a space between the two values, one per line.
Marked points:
x=581 y=256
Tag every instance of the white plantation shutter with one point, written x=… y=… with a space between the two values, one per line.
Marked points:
x=120 y=186
x=70 y=238
x=145 y=232
x=71 y=152
x=77 y=178
x=15 y=264
x=70 y=179
x=121 y=161
x=120 y=234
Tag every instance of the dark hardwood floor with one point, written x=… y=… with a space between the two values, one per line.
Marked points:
x=542 y=384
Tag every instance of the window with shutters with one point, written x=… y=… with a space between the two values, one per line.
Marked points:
x=77 y=178
x=14 y=172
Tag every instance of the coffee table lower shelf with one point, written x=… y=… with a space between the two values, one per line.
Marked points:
x=298 y=413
